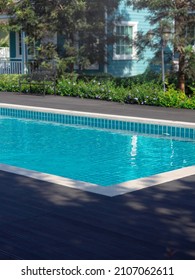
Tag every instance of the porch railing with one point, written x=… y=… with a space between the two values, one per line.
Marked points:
x=10 y=67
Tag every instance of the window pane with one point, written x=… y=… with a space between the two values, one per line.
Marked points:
x=122 y=50
x=118 y=50
x=123 y=47
x=126 y=30
x=121 y=42
x=30 y=46
x=128 y=50
x=130 y=31
x=118 y=30
x=122 y=30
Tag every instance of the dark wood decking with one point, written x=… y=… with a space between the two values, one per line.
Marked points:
x=98 y=106
x=39 y=220
x=45 y=221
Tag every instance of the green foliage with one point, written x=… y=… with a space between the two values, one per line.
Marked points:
x=94 y=88
x=190 y=62
x=3 y=6
x=107 y=88
x=4 y=38
x=172 y=97
x=146 y=93
x=83 y=19
x=192 y=88
x=9 y=83
x=179 y=16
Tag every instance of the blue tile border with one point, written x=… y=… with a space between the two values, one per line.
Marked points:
x=184 y=133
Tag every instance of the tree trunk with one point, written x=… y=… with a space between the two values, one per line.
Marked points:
x=181 y=82
x=71 y=67
x=181 y=73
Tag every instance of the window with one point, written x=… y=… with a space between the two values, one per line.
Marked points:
x=125 y=32
x=122 y=45
x=31 y=46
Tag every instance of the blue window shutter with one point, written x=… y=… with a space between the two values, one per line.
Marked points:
x=12 y=44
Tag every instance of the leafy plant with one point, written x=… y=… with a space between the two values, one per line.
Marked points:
x=172 y=97
x=143 y=93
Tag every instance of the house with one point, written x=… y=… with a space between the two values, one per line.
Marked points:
x=121 y=57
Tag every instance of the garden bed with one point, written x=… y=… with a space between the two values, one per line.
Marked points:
x=131 y=91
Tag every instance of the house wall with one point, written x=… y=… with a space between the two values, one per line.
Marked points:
x=132 y=66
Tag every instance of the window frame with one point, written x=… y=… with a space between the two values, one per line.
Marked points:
x=19 y=46
x=134 y=26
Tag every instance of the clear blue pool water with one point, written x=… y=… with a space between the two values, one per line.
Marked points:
x=98 y=156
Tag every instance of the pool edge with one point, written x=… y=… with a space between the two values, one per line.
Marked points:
x=151 y=181
x=110 y=191
x=100 y=115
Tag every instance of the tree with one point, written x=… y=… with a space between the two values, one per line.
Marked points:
x=81 y=22
x=181 y=14
x=3 y=5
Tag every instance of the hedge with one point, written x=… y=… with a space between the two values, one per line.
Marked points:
x=132 y=92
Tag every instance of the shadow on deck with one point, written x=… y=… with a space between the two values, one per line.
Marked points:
x=40 y=220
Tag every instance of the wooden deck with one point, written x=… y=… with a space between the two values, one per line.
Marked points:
x=40 y=220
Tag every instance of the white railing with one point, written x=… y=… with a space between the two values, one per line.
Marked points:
x=10 y=67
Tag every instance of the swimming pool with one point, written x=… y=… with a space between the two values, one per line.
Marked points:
x=98 y=153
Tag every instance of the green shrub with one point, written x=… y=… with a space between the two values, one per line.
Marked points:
x=172 y=97
x=9 y=83
x=144 y=94
x=192 y=89
x=188 y=103
x=137 y=92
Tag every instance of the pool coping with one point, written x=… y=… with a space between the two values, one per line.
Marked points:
x=101 y=115
x=110 y=191
x=114 y=190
